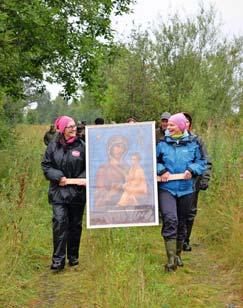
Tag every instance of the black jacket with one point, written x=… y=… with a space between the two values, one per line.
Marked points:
x=49 y=136
x=203 y=180
x=159 y=135
x=68 y=161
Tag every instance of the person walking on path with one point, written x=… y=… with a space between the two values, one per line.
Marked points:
x=176 y=154
x=50 y=134
x=81 y=130
x=99 y=121
x=65 y=158
x=201 y=182
x=131 y=120
x=160 y=131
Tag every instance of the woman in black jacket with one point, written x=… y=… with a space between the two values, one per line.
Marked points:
x=64 y=159
x=201 y=182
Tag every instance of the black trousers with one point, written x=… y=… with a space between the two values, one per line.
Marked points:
x=191 y=215
x=67 y=230
x=174 y=212
x=193 y=210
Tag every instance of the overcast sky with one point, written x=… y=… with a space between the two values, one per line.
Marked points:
x=150 y=11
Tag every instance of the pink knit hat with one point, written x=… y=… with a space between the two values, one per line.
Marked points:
x=62 y=122
x=180 y=120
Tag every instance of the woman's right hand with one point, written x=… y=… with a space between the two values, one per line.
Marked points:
x=165 y=177
x=187 y=175
x=62 y=181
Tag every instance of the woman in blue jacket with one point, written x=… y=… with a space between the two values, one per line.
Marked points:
x=177 y=153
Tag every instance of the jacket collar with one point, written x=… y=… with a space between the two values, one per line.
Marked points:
x=182 y=140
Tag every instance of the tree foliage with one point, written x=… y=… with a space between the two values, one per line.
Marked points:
x=61 y=38
x=59 y=41
x=182 y=65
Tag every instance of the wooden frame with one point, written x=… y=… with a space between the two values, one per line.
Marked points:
x=81 y=182
x=173 y=177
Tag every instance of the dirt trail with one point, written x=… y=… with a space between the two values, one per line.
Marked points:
x=202 y=282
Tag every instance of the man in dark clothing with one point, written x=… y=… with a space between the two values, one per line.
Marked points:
x=201 y=182
x=160 y=132
x=81 y=130
x=131 y=120
x=49 y=135
x=99 y=121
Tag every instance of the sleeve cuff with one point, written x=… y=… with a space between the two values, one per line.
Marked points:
x=162 y=172
x=189 y=169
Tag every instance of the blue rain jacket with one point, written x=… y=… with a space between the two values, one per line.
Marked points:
x=177 y=156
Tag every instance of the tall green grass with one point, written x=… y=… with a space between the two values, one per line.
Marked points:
x=221 y=211
x=220 y=218
x=118 y=267
x=25 y=216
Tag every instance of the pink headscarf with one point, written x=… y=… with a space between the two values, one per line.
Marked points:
x=62 y=122
x=180 y=120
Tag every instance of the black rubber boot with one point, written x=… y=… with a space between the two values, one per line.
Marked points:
x=57 y=266
x=186 y=245
x=170 y=246
x=179 y=246
x=73 y=262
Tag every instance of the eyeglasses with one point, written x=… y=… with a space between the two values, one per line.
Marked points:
x=71 y=126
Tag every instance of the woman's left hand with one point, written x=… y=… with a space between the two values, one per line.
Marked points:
x=63 y=181
x=187 y=175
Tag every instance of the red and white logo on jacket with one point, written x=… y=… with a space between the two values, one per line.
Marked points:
x=75 y=153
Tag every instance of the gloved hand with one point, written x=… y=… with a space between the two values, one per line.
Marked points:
x=203 y=185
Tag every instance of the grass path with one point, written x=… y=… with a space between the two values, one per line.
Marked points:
x=122 y=273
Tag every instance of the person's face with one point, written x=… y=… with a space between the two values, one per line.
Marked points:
x=117 y=151
x=173 y=129
x=164 y=124
x=131 y=121
x=70 y=130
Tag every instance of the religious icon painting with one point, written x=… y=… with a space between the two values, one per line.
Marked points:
x=121 y=175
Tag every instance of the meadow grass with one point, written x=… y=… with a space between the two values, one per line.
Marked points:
x=121 y=267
